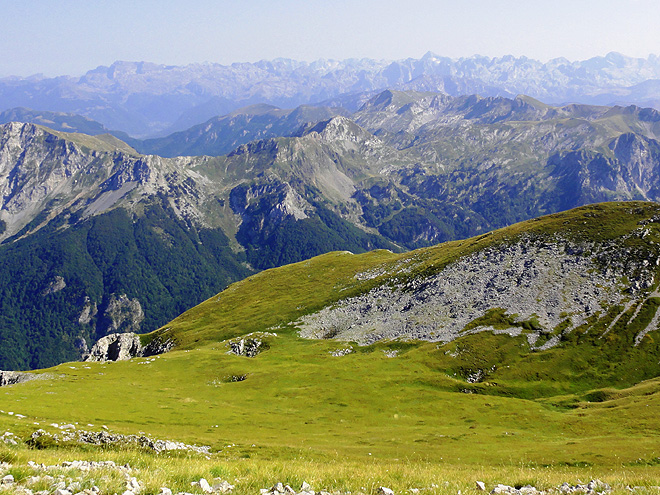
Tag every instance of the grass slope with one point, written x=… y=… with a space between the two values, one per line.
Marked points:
x=585 y=408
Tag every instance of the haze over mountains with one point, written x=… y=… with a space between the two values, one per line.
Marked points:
x=148 y=100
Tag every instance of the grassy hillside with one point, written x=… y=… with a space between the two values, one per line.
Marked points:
x=402 y=413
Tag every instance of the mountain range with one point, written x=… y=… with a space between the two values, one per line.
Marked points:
x=151 y=100
x=98 y=237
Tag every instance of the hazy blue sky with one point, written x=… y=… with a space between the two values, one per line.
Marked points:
x=73 y=36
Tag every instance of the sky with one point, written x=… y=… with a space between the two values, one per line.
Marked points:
x=70 y=37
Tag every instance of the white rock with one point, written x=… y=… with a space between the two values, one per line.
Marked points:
x=133 y=485
x=305 y=487
x=165 y=491
x=61 y=491
x=503 y=489
x=481 y=486
x=204 y=485
x=222 y=486
x=383 y=490
x=8 y=480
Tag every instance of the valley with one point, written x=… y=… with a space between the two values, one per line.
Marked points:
x=126 y=241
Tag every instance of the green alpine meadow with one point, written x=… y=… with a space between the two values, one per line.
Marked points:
x=547 y=374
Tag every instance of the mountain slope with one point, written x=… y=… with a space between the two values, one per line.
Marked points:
x=99 y=239
x=220 y=135
x=408 y=170
x=490 y=393
x=551 y=276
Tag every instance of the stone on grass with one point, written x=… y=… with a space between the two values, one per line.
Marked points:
x=165 y=491
x=133 y=485
x=61 y=491
x=8 y=480
x=503 y=489
x=481 y=486
x=222 y=486
x=204 y=485
x=383 y=490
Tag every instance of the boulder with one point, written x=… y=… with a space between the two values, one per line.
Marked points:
x=204 y=485
x=116 y=347
x=13 y=377
x=245 y=347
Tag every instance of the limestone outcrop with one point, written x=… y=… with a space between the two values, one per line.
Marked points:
x=13 y=377
x=116 y=347
x=124 y=346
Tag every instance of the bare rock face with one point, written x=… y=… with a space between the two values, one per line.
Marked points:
x=551 y=283
x=123 y=314
x=116 y=347
x=88 y=312
x=13 y=377
x=55 y=285
x=124 y=346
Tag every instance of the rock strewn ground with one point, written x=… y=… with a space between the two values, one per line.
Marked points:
x=52 y=482
x=42 y=437
x=533 y=278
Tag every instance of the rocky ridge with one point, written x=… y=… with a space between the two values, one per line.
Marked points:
x=103 y=438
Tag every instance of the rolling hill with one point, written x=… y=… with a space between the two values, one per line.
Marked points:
x=545 y=363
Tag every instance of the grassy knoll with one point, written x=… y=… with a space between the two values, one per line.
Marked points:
x=400 y=414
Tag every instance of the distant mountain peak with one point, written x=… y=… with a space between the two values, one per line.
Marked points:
x=338 y=129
